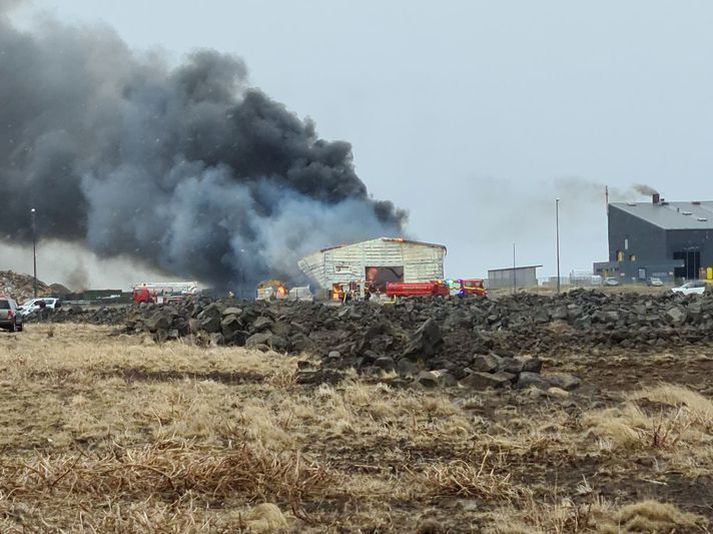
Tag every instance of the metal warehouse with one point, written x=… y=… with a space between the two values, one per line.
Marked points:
x=659 y=239
x=513 y=277
x=376 y=261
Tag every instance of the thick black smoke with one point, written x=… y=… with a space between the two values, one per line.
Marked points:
x=188 y=168
x=644 y=189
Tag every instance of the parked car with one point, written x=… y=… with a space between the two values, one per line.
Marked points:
x=47 y=303
x=695 y=287
x=10 y=317
x=611 y=281
x=655 y=282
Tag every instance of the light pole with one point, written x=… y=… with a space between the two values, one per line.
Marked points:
x=557 y=222
x=514 y=270
x=34 y=254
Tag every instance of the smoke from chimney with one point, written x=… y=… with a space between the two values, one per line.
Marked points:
x=187 y=168
x=646 y=190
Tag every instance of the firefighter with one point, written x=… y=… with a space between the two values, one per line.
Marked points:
x=352 y=291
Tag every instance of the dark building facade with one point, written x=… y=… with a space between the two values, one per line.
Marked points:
x=659 y=239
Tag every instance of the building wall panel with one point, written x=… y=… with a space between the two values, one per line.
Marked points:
x=348 y=263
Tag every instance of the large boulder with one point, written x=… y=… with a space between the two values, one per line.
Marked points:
x=427 y=379
x=527 y=379
x=213 y=309
x=261 y=324
x=211 y=324
x=480 y=380
x=426 y=340
x=386 y=363
x=232 y=310
x=511 y=365
x=531 y=365
x=486 y=363
x=406 y=367
x=158 y=321
x=564 y=381
x=676 y=314
x=230 y=326
x=276 y=343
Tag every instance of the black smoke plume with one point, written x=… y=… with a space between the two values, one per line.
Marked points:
x=644 y=189
x=187 y=167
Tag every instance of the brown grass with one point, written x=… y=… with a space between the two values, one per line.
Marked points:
x=595 y=516
x=463 y=479
x=671 y=422
x=116 y=433
x=169 y=470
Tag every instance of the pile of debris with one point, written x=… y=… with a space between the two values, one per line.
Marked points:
x=438 y=334
x=484 y=342
x=20 y=286
x=106 y=315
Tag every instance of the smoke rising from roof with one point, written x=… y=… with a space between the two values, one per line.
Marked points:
x=645 y=189
x=188 y=168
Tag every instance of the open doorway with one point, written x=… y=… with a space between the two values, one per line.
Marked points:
x=691 y=264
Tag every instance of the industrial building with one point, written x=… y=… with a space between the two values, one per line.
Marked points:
x=659 y=239
x=513 y=277
x=376 y=261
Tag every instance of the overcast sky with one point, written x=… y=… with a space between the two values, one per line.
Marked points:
x=473 y=115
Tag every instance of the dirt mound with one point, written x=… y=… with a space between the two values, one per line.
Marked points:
x=59 y=290
x=20 y=286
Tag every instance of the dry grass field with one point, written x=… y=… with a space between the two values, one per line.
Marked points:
x=108 y=433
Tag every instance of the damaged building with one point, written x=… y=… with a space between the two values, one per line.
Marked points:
x=378 y=261
x=667 y=240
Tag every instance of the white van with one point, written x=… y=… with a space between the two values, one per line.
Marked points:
x=31 y=306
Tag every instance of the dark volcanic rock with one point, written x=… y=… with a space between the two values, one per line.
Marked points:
x=528 y=379
x=479 y=380
x=426 y=340
x=427 y=379
x=486 y=363
x=158 y=321
x=531 y=365
x=269 y=339
x=455 y=336
x=564 y=381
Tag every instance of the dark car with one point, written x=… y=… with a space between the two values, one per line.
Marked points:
x=10 y=316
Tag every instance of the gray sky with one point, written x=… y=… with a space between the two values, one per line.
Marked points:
x=475 y=115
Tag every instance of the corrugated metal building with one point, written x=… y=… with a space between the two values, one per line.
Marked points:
x=513 y=277
x=378 y=261
x=660 y=239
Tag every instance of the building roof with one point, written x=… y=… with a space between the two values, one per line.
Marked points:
x=518 y=268
x=388 y=239
x=671 y=215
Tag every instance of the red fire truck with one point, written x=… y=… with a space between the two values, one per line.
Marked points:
x=164 y=292
x=461 y=288
x=416 y=289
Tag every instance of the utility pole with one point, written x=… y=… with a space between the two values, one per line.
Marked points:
x=34 y=254
x=557 y=223
x=514 y=270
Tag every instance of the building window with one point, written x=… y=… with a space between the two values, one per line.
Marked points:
x=632 y=257
x=626 y=244
x=619 y=255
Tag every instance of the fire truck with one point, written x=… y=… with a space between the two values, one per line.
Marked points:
x=460 y=288
x=164 y=292
x=474 y=287
x=416 y=289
